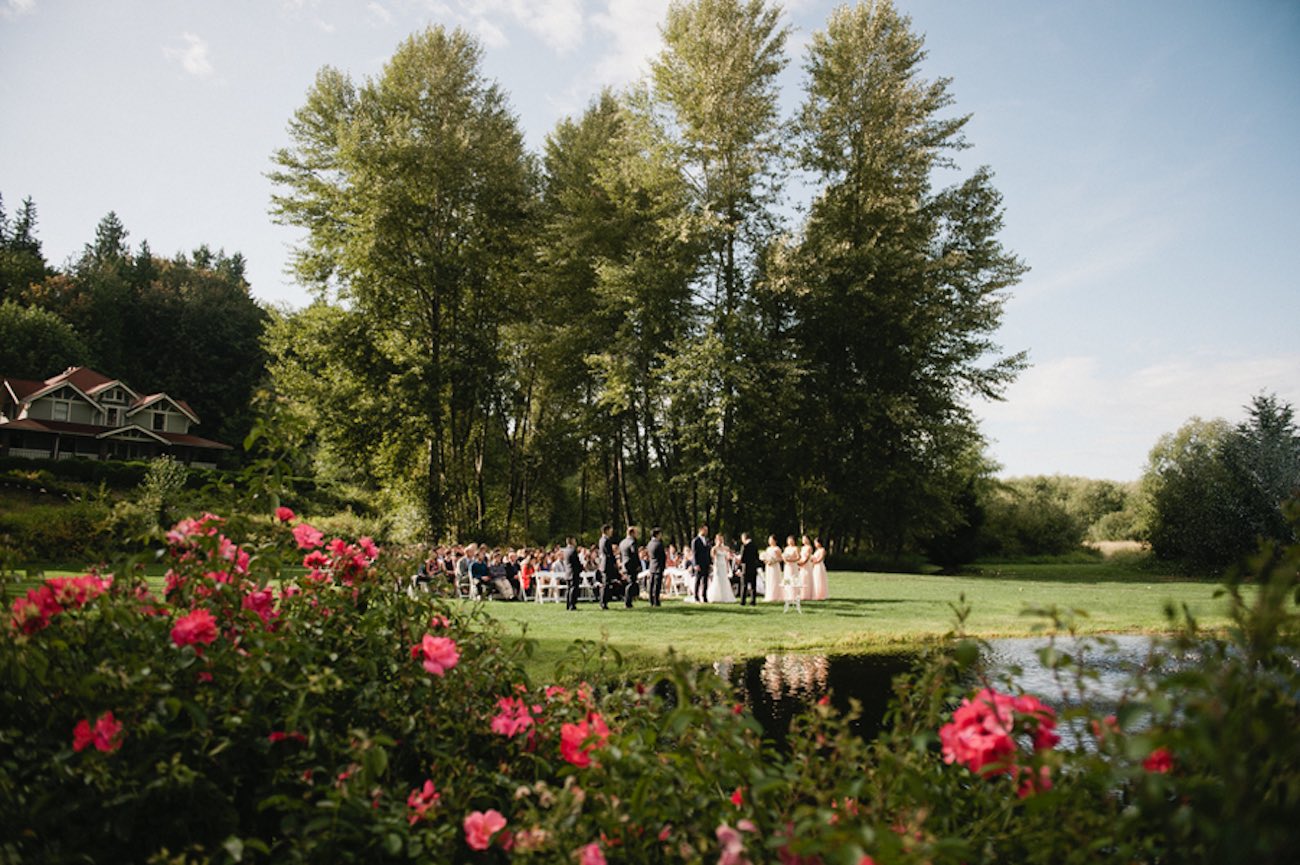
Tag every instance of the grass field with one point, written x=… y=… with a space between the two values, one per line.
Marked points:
x=867 y=612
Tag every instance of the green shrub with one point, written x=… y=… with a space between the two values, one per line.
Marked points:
x=327 y=718
x=63 y=532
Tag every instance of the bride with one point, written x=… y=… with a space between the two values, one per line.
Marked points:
x=720 y=582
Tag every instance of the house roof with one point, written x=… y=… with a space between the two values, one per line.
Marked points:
x=92 y=431
x=90 y=383
x=145 y=401
x=83 y=377
x=19 y=388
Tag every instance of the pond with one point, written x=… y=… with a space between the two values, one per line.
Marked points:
x=777 y=687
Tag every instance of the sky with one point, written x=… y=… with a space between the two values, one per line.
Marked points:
x=1146 y=153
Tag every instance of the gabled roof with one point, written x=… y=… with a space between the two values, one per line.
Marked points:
x=115 y=382
x=116 y=431
x=83 y=378
x=19 y=388
x=146 y=401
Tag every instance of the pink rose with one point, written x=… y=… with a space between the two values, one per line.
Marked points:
x=577 y=741
x=440 y=653
x=284 y=515
x=591 y=855
x=106 y=735
x=82 y=737
x=261 y=602
x=514 y=717
x=480 y=827
x=422 y=800
x=196 y=627
x=307 y=537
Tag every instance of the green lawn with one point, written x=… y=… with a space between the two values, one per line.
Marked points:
x=867 y=612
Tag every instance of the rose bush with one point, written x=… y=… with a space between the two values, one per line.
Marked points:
x=247 y=713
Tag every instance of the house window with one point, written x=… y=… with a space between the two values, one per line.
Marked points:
x=159 y=420
x=112 y=417
x=59 y=410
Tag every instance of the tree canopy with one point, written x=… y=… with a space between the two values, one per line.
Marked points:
x=629 y=329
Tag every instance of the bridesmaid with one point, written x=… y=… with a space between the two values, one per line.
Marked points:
x=772 y=571
x=821 y=587
x=805 y=568
x=791 y=586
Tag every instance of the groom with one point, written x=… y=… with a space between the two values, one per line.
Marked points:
x=748 y=569
x=703 y=564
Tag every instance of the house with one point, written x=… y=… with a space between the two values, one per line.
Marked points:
x=80 y=413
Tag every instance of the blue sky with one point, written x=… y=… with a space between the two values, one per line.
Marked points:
x=1147 y=153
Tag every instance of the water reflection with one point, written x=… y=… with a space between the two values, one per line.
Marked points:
x=779 y=686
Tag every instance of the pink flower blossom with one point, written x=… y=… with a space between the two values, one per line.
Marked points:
x=369 y=549
x=307 y=537
x=981 y=735
x=421 y=801
x=261 y=602
x=1159 y=761
x=481 y=826
x=276 y=736
x=738 y=797
x=284 y=515
x=577 y=741
x=592 y=855
x=733 y=846
x=82 y=736
x=196 y=627
x=440 y=653
x=513 y=718
x=106 y=735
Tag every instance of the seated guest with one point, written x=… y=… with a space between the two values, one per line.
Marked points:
x=480 y=577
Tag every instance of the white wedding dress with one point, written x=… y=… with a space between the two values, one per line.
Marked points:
x=720 y=580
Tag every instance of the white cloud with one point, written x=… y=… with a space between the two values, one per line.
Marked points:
x=560 y=24
x=193 y=58
x=14 y=8
x=631 y=28
x=379 y=16
x=1076 y=415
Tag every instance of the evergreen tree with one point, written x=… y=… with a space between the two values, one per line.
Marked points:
x=21 y=260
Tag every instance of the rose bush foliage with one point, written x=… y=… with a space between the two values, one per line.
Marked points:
x=252 y=712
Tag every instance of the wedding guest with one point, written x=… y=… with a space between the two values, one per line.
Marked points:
x=805 y=568
x=791 y=576
x=571 y=562
x=821 y=589
x=657 y=561
x=748 y=558
x=772 y=570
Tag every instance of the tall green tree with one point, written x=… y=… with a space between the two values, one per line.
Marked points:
x=715 y=90
x=36 y=344
x=414 y=189
x=898 y=286
x=21 y=260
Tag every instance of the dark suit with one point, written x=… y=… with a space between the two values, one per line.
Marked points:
x=607 y=564
x=701 y=556
x=573 y=572
x=629 y=558
x=749 y=571
x=658 y=561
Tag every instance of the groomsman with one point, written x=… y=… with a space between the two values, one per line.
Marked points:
x=629 y=559
x=702 y=563
x=572 y=571
x=658 y=562
x=748 y=569
x=607 y=562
